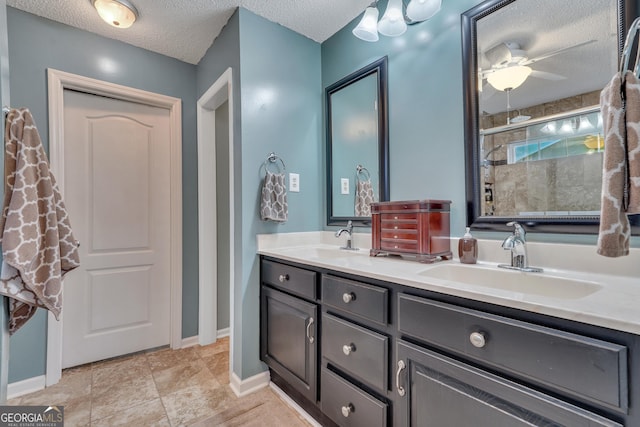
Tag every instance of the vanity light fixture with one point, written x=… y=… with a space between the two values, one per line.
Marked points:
x=394 y=21
x=508 y=78
x=117 y=13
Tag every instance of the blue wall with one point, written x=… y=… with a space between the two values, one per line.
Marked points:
x=277 y=107
x=426 y=136
x=36 y=44
x=426 y=150
x=281 y=112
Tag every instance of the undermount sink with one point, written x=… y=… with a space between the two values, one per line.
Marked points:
x=326 y=253
x=542 y=284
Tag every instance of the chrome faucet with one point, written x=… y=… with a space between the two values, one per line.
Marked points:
x=517 y=244
x=349 y=231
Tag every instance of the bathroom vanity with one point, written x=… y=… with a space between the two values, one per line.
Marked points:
x=420 y=350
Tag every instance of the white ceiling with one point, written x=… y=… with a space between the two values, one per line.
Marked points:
x=184 y=29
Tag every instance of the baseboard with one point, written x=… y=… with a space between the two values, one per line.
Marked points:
x=189 y=342
x=223 y=332
x=20 y=388
x=251 y=384
x=289 y=401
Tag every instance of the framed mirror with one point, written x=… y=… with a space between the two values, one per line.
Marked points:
x=532 y=75
x=357 y=144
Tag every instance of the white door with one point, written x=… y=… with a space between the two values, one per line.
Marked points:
x=117 y=192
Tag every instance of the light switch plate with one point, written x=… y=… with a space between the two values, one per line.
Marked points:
x=294 y=182
x=344 y=185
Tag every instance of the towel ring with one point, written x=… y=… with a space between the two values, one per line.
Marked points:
x=272 y=158
x=364 y=171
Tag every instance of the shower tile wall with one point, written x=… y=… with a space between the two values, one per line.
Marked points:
x=559 y=184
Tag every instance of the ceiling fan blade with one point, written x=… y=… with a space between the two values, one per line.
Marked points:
x=547 y=76
x=555 y=52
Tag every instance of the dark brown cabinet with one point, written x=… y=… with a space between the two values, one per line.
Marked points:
x=288 y=341
x=439 y=391
x=358 y=352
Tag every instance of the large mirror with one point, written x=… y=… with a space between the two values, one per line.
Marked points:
x=533 y=72
x=357 y=145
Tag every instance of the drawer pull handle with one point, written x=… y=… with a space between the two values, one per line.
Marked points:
x=477 y=339
x=401 y=366
x=283 y=278
x=395 y=227
x=395 y=217
x=347 y=410
x=348 y=348
x=309 y=337
x=395 y=237
x=347 y=297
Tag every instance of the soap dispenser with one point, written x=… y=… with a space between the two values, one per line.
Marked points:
x=468 y=248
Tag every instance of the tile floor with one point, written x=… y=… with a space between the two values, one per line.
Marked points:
x=186 y=387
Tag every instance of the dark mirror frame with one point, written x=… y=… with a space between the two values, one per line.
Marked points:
x=379 y=67
x=627 y=11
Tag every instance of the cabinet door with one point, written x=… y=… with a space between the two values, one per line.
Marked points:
x=288 y=344
x=443 y=392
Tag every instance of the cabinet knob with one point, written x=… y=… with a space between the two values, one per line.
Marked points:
x=477 y=339
x=347 y=410
x=283 y=278
x=347 y=297
x=348 y=348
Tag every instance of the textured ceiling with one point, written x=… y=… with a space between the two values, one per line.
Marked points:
x=184 y=29
x=565 y=23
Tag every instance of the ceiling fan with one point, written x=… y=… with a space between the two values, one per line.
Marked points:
x=510 y=65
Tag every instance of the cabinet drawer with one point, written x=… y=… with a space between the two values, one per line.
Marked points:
x=347 y=405
x=411 y=205
x=399 y=245
x=356 y=350
x=588 y=369
x=292 y=279
x=399 y=225
x=393 y=217
x=399 y=235
x=367 y=301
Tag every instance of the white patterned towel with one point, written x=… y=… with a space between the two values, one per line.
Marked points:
x=364 y=197
x=38 y=246
x=273 y=205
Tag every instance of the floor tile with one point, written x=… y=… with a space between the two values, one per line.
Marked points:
x=146 y=414
x=194 y=403
x=162 y=387
x=113 y=398
x=184 y=375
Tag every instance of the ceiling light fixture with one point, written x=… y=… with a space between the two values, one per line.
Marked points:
x=117 y=13
x=509 y=78
x=394 y=21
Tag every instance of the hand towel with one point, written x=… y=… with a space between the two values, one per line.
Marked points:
x=364 y=197
x=632 y=122
x=38 y=246
x=613 y=237
x=273 y=206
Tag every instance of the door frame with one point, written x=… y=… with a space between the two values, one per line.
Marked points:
x=219 y=92
x=58 y=81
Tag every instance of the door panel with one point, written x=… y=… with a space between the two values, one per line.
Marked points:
x=116 y=166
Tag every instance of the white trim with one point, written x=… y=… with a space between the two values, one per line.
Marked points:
x=189 y=342
x=30 y=385
x=58 y=81
x=223 y=332
x=292 y=403
x=216 y=95
x=244 y=387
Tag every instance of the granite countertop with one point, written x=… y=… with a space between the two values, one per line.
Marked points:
x=576 y=283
